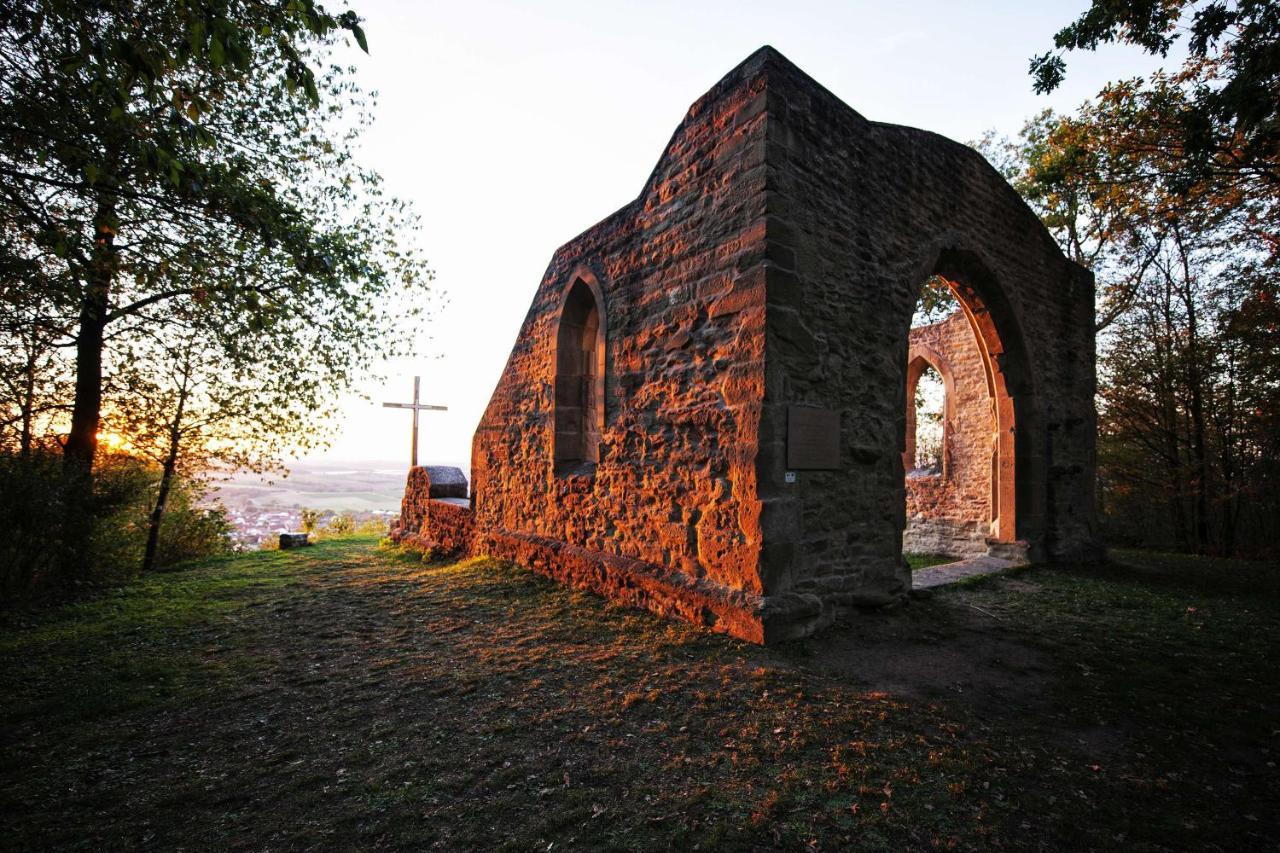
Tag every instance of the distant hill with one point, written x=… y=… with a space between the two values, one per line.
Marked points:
x=333 y=485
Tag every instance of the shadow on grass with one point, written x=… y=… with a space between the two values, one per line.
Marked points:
x=348 y=696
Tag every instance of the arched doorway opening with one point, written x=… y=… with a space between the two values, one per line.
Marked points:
x=579 y=379
x=966 y=505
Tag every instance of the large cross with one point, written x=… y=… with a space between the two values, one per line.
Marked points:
x=417 y=407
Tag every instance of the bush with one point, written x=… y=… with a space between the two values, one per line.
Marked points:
x=309 y=518
x=42 y=553
x=30 y=521
x=371 y=526
x=189 y=531
x=123 y=492
x=341 y=525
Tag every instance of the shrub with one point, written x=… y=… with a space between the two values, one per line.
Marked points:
x=341 y=525
x=190 y=531
x=309 y=517
x=38 y=556
x=30 y=521
x=372 y=526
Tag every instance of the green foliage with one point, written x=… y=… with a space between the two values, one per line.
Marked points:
x=184 y=213
x=371 y=527
x=341 y=525
x=40 y=555
x=178 y=170
x=192 y=530
x=1230 y=117
x=924 y=561
x=122 y=491
x=30 y=501
x=1185 y=271
x=936 y=302
x=309 y=517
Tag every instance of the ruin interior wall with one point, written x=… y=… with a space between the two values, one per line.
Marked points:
x=949 y=512
x=669 y=517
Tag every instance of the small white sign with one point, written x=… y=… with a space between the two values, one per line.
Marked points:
x=789 y=477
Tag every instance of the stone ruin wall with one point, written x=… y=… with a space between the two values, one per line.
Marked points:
x=669 y=519
x=860 y=215
x=414 y=506
x=773 y=196
x=949 y=513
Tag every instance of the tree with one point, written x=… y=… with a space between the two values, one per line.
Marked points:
x=193 y=158
x=1183 y=272
x=138 y=139
x=1229 y=119
x=196 y=410
x=935 y=303
x=189 y=164
x=1057 y=166
x=32 y=390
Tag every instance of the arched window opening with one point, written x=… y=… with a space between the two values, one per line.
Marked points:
x=929 y=404
x=579 y=382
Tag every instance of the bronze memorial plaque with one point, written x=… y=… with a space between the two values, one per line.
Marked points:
x=813 y=438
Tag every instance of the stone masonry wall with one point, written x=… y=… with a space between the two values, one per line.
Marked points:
x=774 y=259
x=949 y=513
x=443 y=524
x=450 y=528
x=413 y=506
x=859 y=215
x=673 y=496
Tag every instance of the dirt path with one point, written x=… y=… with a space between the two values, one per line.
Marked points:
x=343 y=697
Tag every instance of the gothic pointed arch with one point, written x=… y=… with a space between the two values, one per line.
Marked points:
x=921 y=358
x=579 y=386
x=1001 y=346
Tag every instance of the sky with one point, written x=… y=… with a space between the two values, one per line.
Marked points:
x=514 y=126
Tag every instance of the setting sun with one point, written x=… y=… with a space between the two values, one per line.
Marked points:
x=114 y=441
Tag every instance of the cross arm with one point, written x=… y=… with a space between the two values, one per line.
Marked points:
x=419 y=406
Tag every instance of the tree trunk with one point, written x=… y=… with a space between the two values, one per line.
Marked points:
x=157 y=513
x=29 y=393
x=1196 y=386
x=170 y=466
x=1165 y=385
x=82 y=441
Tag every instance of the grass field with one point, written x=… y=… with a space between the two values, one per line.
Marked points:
x=344 y=696
x=924 y=561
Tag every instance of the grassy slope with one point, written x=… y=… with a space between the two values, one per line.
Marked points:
x=343 y=696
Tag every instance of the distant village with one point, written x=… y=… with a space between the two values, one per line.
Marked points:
x=255 y=525
x=334 y=496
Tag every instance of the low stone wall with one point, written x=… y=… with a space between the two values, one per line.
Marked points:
x=426 y=487
x=666 y=592
x=954 y=538
x=413 y=506
x=450 y=527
